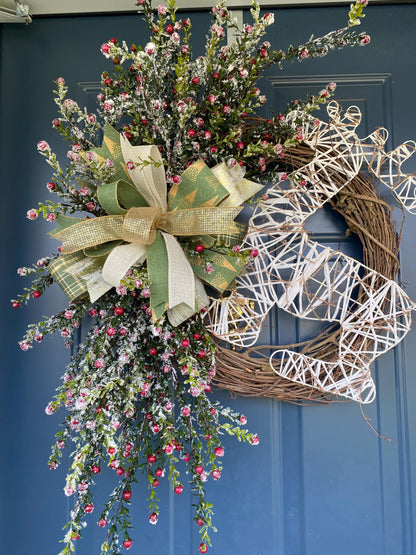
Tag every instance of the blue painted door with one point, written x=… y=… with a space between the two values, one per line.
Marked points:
x=320 y=482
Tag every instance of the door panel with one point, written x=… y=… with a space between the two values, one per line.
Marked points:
x=321 y=481
x=355 y=490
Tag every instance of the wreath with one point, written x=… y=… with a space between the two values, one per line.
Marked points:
x=173 y=287
x=308 y=280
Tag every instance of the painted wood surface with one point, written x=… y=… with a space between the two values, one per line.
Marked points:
x=320 y=482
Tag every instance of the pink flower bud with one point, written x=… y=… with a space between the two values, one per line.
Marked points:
x=105 y=48
x=255 y=440
x=43 y=146
x=32 y=214
x=150 y=48
x=185 y=411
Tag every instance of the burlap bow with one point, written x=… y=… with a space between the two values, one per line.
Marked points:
x=143 y=223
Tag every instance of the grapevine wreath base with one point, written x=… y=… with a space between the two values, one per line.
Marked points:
x=248 y=373
x=367 y=303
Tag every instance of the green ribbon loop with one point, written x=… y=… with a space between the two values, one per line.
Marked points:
x=118 y=197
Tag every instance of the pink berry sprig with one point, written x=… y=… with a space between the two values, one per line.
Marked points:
x=62 y=185
x=74 y=125
x=116 y=511
x=39 y=285
x=65 y=323
x=321 y=46
x=40 y=280
x=356 y=12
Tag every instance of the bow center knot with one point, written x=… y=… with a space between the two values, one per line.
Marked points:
x=140 y=224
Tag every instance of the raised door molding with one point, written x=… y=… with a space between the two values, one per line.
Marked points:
x=60 y=7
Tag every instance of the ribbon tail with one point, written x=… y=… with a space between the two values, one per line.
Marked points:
x=174 y=287
x=223 y=269
x=181 y=280
x=157 y=267
x=120 y=260
x=90 y=270
x=182 y=312
x=233 y=180
x=59 y=269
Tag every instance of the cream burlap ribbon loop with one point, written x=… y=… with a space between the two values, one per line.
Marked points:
x=148 y=175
